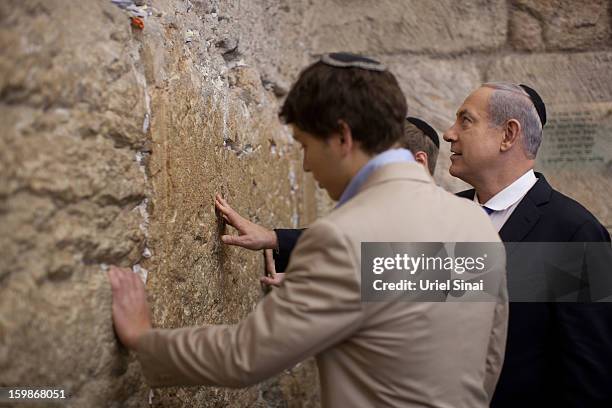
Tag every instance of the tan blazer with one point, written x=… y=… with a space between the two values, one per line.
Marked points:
x=391 y=354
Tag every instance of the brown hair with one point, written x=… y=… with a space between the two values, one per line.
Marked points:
x=370 y=102
x=415 y=140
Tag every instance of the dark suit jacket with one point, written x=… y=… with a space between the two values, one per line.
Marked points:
x=287 y=239
x=557 y=354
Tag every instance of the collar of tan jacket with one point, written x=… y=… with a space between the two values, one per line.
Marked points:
x=398 y=171
x=387 y=157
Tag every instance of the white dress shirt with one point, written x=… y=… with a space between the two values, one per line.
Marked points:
x=505 y=202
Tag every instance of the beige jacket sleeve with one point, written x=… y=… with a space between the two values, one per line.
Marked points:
x=318 y=306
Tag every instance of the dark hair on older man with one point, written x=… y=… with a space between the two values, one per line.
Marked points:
x=370 y=102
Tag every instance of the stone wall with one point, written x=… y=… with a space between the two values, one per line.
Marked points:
x=114 y=140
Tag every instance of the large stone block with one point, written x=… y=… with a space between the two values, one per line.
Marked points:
x=391 y=26
x=525 y=31
x=559 y=78
x=564 y=24
x=72 y=110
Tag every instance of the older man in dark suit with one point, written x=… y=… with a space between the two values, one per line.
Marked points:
x=558 y=354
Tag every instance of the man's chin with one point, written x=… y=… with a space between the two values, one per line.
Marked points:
x=454 y=171
x=459 y=173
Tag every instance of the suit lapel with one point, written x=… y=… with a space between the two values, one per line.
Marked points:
x=522 y=220
x=527 y=213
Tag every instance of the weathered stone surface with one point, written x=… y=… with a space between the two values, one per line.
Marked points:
x=576 y=154
x=113 y=143
x=559 y=78
x=395 y=26
x=220 y=141
x=72 y=111
x=568 y=25
x=525 y=31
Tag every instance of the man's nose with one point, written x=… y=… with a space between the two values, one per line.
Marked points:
x=450 y=135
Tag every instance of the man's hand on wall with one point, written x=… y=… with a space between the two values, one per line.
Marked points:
x=251 y=235
x=272 y=278
x=131 y=314
x=275 y=281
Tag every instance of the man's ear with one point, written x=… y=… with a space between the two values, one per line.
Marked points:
x=512 y=130
x=345 y=137
x=422 y=158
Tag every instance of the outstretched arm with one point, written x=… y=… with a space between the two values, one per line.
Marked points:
x=318 y=305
